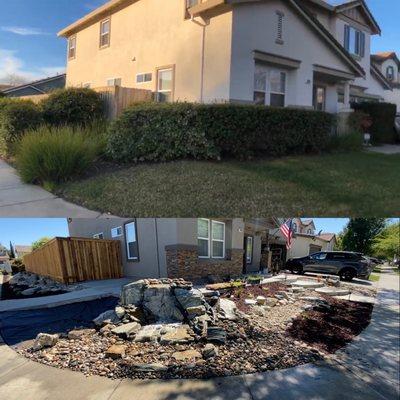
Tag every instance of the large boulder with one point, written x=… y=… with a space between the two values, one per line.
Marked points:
x=133 y=293
x=160 y=303
x=127 y=330
x=189 y=298
x=44 y=340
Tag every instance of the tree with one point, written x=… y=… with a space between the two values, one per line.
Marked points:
x=360 y=233
x=40 y=242
x=14 y=80
x=387 y=243
x=12 y=252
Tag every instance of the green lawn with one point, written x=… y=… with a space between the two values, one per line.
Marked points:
x=356 y=184
x=374 y=277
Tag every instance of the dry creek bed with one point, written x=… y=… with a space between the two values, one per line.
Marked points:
x=261 y=339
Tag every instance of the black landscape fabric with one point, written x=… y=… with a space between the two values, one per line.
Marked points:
x=19 y=326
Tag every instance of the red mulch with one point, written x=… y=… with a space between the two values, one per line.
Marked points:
x=251 y=292
x=330 y=330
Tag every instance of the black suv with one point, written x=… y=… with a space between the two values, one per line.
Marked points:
x=347 y=265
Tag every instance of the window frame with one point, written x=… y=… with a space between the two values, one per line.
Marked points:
x=116 y=228
x=97 y=236
x=70 y=39
x=144 y=75
x=172 y=91
x=128 y=257
x=101 y=34
x=218 y=240
x=205 y=238
x=359 y=37
x=267 y=92
x=113 y=79
x=391 y=77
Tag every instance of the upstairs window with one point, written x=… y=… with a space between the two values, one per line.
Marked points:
x=279 y=31
x=98 y=236
x=105 y=33
x=390 y=73
x=294 y=227
x=354 y=41
x=72 y=47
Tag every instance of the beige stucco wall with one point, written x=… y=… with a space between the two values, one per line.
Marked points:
x=149 y=34
x=301 y=246
x=255 y=28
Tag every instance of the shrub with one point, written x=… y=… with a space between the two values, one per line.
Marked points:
x=349 y=142
x=383 y=116
x=16 y=117
x=53 y=155
x=17 y=266
x=72 y=107
x=161 y=132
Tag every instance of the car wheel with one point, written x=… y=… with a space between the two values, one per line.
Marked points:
x=298 y=269
x=347 y=275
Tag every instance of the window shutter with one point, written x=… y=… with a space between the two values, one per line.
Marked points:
x=358 y=43
x=362 y=53
x=346 y=37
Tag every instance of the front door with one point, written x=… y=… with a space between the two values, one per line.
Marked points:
x=319 y=98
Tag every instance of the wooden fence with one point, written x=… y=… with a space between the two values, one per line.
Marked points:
x=117 y=98
x=70 y=260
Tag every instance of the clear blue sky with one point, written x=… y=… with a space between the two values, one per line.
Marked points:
x=331 y=225
x=29 y=45
x=27 y=230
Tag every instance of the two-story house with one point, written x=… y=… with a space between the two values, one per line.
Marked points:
x=301 y=53
x=183 y=247
x=389 y=65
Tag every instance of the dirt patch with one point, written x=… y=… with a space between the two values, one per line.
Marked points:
x=330 y=330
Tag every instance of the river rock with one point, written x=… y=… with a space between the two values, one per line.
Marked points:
x=44 y=340
x=29 y=292
x=149 y=367
x=127 y=330
x=116 y=351
x=186 y=355
x=216 y=334
x=119 y=311
x=107 y=317
x=227 y=309
x=78 y=333
x=179 y=335
x=210 y=351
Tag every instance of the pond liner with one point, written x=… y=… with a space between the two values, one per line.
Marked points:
x=19 y=326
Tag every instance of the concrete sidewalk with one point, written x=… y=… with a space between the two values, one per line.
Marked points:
x=91 y=290
x=21 y=378
x=385 y=149
x=18 y=199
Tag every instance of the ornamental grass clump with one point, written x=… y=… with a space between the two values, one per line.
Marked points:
x=51 y=155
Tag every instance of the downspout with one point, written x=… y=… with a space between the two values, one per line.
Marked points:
x=203 y=24
x=157 y=246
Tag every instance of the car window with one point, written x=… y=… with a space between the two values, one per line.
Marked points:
x=318 y=256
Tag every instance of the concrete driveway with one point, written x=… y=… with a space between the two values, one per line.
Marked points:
x=365 y=370
x=18 y=199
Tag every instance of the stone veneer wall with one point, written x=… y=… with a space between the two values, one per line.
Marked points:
x=183 y=262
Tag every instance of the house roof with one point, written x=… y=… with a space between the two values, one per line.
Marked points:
x=22 y=248
x=326 y=236
x=380 y=77
x=379 y=58
x=34 y=84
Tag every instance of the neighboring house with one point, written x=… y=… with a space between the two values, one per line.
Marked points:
x=389 y=65
x=185 y=247
x=21 y=250
x=305 y=241
x=4 y=259
x=301 y=53
x=39 y=87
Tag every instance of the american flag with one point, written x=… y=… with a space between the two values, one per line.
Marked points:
x=287 y=231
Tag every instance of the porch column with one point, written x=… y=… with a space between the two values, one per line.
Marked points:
x=347 y=95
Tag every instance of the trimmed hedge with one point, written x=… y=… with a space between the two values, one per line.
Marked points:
x=73 y=106
x=160 y=132
x=383 y=116
x=16 y=117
